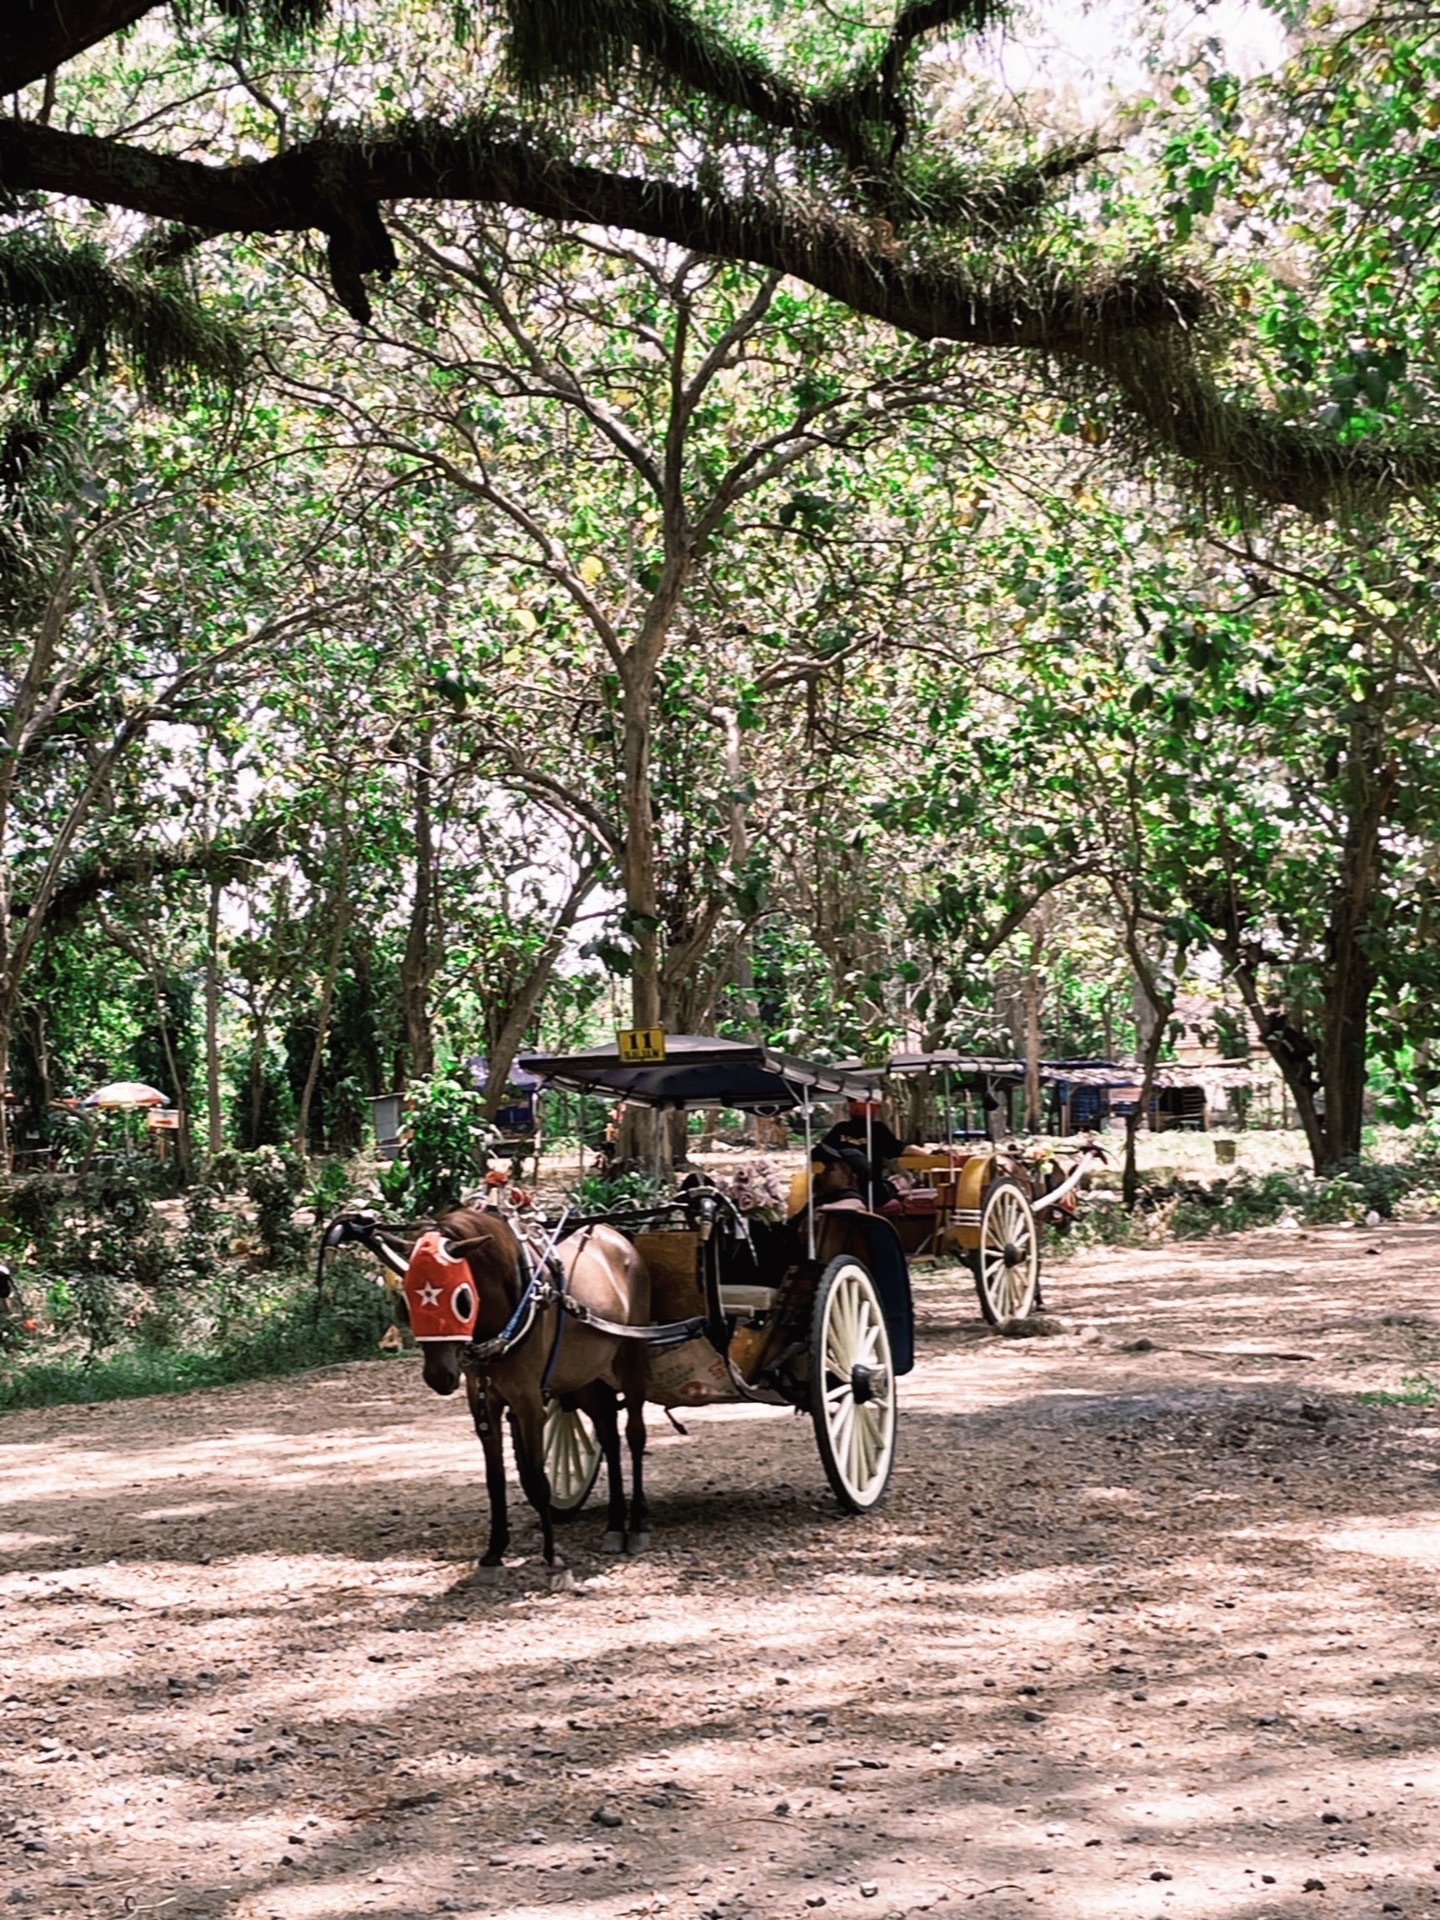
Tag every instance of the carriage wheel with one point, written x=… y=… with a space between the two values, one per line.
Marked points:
x=1007 y=1262
x=572 y=1457
x=852 y=1386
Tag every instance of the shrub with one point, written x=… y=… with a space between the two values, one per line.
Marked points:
x=445 y=1137
x=1244 y=1201
x=329 y=1189
x=225 y=1171
x=284 y=1327
x=272 y=1183
x=33 y=1209
x=600 y=1192
x=1416 y=1390
x=392 y=1177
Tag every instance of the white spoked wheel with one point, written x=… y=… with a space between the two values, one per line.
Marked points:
x=852 y=1386
x=572 y=1457
x=1007 y=1263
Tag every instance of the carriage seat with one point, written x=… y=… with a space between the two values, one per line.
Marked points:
x=906 y=1206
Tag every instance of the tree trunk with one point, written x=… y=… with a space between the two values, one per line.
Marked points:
x=257 y=1077
x=215 y=1126
x=638 y=1139
x=5 y=1027
x=505 y=1043
x=418 y=1053
x=1335 y=1068
x=642 y=900
x=1350 y=973
x=742 y=968
x=183 y=1154
x=1160 y=1007
x=340 y=910
x=1034 y=1117
x=368 y=1046
x=1158 y=1004
x=637 y=1143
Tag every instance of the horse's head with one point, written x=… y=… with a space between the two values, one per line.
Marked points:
x=441 y=1303
x=467 y=1266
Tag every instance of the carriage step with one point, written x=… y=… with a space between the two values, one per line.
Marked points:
x=747 y=1299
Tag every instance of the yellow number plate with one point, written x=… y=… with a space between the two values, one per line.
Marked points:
x=642 y=1046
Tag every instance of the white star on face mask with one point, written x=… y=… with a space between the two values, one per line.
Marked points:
x=430 y=1296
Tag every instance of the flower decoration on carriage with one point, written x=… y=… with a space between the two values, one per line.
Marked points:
x=521 y=1199
x=498 y=1177
x=758 y=1191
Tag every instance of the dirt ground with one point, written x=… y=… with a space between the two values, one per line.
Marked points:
x=1147 y=1627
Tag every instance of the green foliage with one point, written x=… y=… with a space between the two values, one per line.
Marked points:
x=273 y=1181
x=280 y=1327
x=329 y=1187
x=392 y=1178
x=613 y=1192
x=169 y=1028
x=32 y=1211
x=936 y=686
x=445 y=1135
x=263 y=1113
x=169 y=341
x=1234 y=1205
x=1416 y=1390
x=113 y=1300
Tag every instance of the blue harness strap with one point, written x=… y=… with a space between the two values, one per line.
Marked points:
x=531 y=1293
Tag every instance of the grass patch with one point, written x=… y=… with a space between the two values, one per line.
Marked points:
x=1415 y=1390
x=291 y=1331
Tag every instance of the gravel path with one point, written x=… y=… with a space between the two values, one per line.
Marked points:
x=1147 y=1627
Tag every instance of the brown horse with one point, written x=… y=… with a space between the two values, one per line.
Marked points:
x=559 y=1354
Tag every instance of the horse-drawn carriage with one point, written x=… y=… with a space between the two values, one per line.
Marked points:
x=557 y=1323
x=814 y=1314
x=972 y=1197
x=695 y=1300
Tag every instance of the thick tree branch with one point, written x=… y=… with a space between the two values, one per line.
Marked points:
x=1132 y=332
x=36 y=36
x=101 y=874
x=336 y=187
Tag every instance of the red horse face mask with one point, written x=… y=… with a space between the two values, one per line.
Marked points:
x=439 y=1292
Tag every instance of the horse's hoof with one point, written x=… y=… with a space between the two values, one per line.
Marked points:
x=637 y=1543
x=562 y=1580
x=613 y=1543
x=484 y=1576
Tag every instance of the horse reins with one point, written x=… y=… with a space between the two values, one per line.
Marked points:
x=538 y=1292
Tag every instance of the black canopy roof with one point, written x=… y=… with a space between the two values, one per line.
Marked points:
x=698 y=1071
x=974 y=1067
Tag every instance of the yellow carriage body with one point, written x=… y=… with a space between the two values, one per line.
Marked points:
x=958 y=1181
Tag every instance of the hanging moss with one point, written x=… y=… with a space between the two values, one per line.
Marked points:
x=48 y=287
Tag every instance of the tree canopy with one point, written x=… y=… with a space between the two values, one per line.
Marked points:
x=712 y=515
x=842 y=154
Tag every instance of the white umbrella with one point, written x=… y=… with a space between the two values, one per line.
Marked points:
x=125 y=1093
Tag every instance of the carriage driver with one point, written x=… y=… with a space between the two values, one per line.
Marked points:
x=850 y=1135
x=839 y=1177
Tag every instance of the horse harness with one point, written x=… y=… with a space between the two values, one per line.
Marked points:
x=544 y=1286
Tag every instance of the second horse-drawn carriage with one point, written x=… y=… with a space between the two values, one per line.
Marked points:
x=972 y=1197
